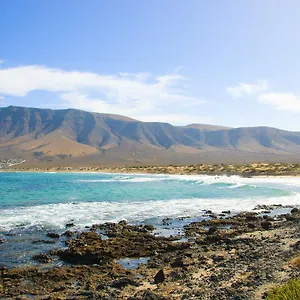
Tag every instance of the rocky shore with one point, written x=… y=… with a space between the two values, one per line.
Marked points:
x=246 y=170
x=224 y=256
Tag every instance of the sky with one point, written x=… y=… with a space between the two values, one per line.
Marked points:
x=225 y=62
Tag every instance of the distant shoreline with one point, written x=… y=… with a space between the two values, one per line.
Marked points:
x=244 y=170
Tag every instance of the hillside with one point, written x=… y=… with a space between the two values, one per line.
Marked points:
x=77 y=137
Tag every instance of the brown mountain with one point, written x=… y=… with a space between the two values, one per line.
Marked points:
x=78 y=137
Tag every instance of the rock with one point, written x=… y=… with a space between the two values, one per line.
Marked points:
x=212 y=230
x=149 y=227
x=70 y=225
x=42 y=258
x=52 y=235
x=43 y=242
x=289 y=217
x=121 y=283
x=148 y=294
x=295 y=210
x=89 y=248
x=159 y=277
x=266 y=225
x=2 y=241
x=268 y=218
x=68 y=233
x=182 y=261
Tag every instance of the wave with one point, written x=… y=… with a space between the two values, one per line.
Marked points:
x=88 y=213
x=199 y=179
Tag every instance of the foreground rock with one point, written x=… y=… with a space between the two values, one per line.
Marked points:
x=125 y=241
x=233 y=257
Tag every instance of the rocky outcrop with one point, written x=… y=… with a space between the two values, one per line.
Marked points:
x=231 y=261
x=125 y=241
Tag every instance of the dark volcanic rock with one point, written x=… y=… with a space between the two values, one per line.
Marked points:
x=43 y=242
x=266 y=225
x=52 y=235
x=42 y=258
x=68 y=233
x=159 y=277
x=89 y=248
x=212 y=230
x=121 y=283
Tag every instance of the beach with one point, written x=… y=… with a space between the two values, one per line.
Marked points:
x=94 y=234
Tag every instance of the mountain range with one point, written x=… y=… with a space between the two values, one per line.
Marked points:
x=73 y=136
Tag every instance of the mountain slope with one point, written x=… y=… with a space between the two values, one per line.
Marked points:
x=78 y=136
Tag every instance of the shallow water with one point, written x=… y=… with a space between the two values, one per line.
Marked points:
x=32 y=204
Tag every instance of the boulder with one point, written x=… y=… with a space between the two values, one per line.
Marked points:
x=159 y=277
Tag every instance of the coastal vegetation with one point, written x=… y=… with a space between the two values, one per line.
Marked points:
x=247 y=170
x=288 y=291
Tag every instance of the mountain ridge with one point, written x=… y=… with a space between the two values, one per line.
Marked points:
x=70 y=135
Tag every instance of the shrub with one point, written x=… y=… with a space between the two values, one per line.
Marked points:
x=295 y=262
x=289 y=291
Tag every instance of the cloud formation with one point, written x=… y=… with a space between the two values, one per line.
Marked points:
x=132 y=94
x=281 y=101
x=244 y=89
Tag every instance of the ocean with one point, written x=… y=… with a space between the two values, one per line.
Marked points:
x=32 y=204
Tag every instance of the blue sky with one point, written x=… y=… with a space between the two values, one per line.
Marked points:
x=229 y=62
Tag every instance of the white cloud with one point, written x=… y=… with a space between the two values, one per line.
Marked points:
x=131 y=94
x=244 y=89
x=281 y=101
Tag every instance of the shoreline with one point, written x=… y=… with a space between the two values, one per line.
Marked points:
x=243 y=170
x=243 y=255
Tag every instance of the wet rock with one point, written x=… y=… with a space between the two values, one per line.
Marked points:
x=42 y=258
x=159 y=277
x=167 y=221
x=68 y=233
x=70 y=225
x=52 y=235
x=149 y=227
x=43 y=242
x=250 y=216
x=90 y=248
x=10 y=234
x=2 y=240
x=295 y=210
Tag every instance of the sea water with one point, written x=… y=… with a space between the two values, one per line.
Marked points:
x=32 y=204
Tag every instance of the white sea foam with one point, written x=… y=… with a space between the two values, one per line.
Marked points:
x=232 y=181
x=123 y=179
x=87 y=213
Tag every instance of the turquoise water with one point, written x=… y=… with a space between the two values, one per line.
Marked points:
x=29 y=189
x=33 y=203
x=53 y=199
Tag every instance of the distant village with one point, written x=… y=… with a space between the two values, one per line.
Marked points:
x=8 y=162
